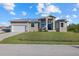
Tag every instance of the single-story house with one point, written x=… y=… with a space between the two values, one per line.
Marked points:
x=47 y=23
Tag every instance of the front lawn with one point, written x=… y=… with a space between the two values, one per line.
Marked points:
x=43 y=38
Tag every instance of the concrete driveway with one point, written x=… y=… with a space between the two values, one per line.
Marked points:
x=38 y=50
x=6 y=35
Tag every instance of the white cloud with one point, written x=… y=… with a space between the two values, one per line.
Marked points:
x=67 y=16
x=52 y=9
x=12 y=13
x=24 y=13
x=47 y=4
x=47 y=8
x=37 y=13
x=5 y=23
x=40 y=7
x=44 y=15
x=74 y=9
x=74 y=16
x=57 y=18
x=9 y=6
x=69 y=21
x=77 y=5
x=16 y=18
x=31 y=7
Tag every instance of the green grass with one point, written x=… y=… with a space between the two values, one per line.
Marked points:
x=43 y=38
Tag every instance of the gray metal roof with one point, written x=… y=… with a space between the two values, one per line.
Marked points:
x=61 y=20
x=22 y=21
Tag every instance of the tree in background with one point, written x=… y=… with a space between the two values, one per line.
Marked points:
x=73 y=27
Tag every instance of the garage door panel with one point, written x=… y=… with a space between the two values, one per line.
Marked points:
x=18 y=28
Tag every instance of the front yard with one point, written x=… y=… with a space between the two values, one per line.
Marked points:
x=43 y=38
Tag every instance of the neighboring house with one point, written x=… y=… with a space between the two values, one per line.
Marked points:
x=7 y=29
x=2 y=27
x=48 y=23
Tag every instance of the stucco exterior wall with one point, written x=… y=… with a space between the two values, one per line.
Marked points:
x=64 y=28
x=27 y=25
x=61 y=29
x=57 y=26
x=21 y=24
x=35 y=28
x=48 y=23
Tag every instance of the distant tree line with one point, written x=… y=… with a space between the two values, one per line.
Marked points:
x=73 y=28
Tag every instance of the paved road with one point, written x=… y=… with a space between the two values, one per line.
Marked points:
x=38 y=50
x=6 y=35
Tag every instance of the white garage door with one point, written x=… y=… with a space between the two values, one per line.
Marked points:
x=18 y=28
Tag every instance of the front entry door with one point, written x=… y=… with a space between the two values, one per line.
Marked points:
x=49 y=26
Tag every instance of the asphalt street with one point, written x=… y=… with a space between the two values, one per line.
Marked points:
x=38 y=50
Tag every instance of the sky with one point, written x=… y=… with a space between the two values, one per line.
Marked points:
x=11 y=11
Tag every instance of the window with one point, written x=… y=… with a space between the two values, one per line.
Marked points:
x=43 y=25
x=32 y=24
x=61 y=24
x=49 y=21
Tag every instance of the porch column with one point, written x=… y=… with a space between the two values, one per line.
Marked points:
x=46 y=23
x=53 y=24
x=40 y=25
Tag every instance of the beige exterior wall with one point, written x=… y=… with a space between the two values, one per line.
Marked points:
x=61 y=29
x=64 y=28
x=20 y=24
x=35 y=28
x=56 y=26
x=27 y=25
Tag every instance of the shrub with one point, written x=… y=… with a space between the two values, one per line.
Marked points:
x=73 y=28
